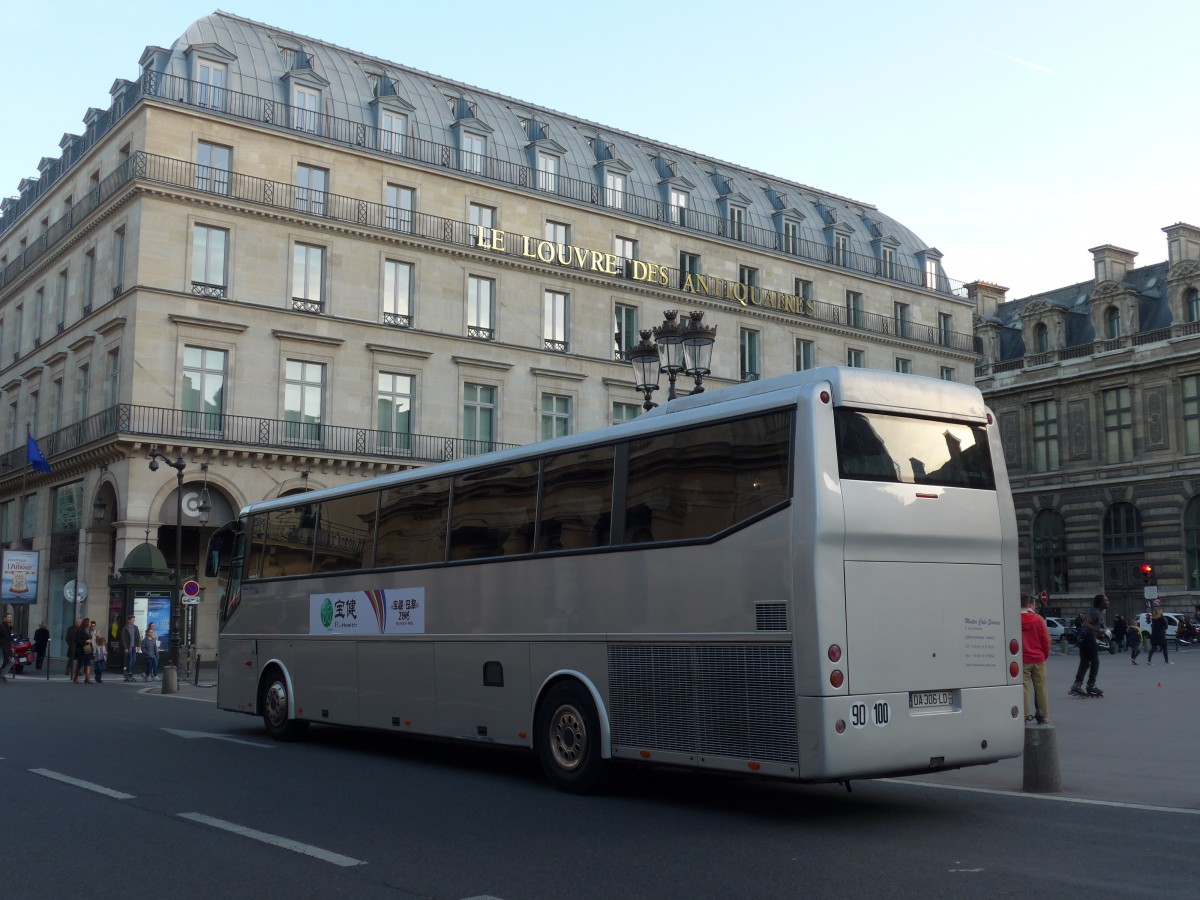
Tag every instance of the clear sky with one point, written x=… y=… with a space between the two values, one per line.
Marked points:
x=1011 y=136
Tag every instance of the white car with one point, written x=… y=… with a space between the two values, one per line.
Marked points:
x=1057 y=627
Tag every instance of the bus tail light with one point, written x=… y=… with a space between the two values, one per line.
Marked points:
x=835 y=653
x=753 y=766
x=1013 y=647
x=840 y=726
x=836 y=678
x=1013 y=669
x=1014 y=712
x=824 y=396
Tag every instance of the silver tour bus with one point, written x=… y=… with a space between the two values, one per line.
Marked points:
x=810 y=577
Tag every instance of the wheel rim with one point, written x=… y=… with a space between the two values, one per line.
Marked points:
x=275 y=704
x=568 y=738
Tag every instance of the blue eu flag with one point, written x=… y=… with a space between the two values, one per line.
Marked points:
x=34 y=453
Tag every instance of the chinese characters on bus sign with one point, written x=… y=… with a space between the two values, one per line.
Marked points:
x=390 y=611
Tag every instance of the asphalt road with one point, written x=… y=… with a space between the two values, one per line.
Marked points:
x=116 y=790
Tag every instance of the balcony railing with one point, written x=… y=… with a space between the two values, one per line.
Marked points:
x=363 y=136
x=166 y=426
x=277 y=195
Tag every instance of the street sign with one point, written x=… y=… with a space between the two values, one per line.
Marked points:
x=191 y=588
x=190 y=601
x=1045 y=597
x=1150 y=592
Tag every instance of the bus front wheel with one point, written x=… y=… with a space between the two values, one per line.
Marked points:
x=568 y=738
x=275 y=704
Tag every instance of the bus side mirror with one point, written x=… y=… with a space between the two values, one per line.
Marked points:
x=212 y=567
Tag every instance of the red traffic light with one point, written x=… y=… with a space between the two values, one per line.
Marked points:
x=1147 y=569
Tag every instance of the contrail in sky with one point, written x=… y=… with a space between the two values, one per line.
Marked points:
x=1023 y=62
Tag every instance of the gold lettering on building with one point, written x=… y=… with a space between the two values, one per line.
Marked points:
x=569 y=256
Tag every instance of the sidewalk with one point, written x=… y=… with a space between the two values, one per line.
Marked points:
x=1136 y=744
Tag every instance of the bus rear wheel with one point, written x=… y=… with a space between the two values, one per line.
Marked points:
x=275 y=704
x=567 y=738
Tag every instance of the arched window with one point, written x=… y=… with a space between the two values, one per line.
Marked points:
x=1122 y=529
x=1041 y=337
x=1191 y=543
x=1191 y=305
x=1112 y=323
x=1050 y=553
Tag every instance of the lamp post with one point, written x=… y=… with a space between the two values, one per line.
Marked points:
x=681 y=348
x=178 y=465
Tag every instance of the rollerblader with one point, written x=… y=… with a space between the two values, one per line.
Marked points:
x=1089 y=650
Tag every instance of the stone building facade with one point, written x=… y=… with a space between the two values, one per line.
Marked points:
x=1096 y=387
x=290 y=266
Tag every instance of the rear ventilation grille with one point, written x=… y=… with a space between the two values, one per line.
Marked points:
x=770 y=617
x=733 y=700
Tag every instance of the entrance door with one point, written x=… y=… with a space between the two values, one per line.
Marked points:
x=1123 y=584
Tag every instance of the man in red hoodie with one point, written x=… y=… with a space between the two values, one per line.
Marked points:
x=1035 y=648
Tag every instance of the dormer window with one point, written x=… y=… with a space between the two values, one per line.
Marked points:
x=472 y=153
x=737 y=222
x=1112 y=323
x=1041 y=337
x=679 y=206
x=211 y=79
x=841 y=249
x=306 y=108
x=1191 y=305
x=547 y=172
x=393 y=130
x=614 y=191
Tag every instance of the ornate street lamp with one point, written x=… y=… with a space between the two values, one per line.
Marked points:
x=698 y=340
x=646 y=365
x=177 y=596
x=681 y=348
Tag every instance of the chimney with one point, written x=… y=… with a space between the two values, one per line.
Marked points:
x=1183 y=243
x=1112 y=263
x=986 y=296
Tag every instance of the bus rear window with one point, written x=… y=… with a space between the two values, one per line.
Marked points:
x=905 y=449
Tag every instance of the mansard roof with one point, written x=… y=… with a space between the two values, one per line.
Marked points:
x=264 y=56
x=1148 y=284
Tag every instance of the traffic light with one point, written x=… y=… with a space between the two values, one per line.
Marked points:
x=1147 y=573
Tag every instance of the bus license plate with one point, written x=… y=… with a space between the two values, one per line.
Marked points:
x=931 y=700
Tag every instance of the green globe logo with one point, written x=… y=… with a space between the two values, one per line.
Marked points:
x=327 y=612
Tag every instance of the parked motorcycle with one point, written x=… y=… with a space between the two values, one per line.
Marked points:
x=23 y=654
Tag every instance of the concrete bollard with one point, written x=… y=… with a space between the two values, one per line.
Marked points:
x=1043 y=774
x=170 y=685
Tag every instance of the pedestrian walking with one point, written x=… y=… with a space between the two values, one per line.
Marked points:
x=150 y=651
x=85 y=652
x=1158 y=636
x=101 y=659
x=1133 y=637
x=1091 y=629
x=6 y=646
x=131 y=639
x=1035 y=650
x=69 y=638
x=1118 y=632
x=41 y=640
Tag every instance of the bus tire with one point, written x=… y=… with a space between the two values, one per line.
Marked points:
x=274 y=703
x=567 y=738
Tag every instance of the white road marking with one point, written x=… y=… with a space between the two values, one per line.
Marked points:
x=217 y=737
x=275 y=840
x=1115 y=804
x=86 y=785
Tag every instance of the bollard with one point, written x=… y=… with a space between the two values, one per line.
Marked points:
x=1043 y=774
x=197 y=681
x=170 y=680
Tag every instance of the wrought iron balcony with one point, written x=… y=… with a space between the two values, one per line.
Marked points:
x=479 y=333
x=172 y=426
x=362 y=136
x=367 y=214
x=208 y=290
x=397 y=320
x=301 y=304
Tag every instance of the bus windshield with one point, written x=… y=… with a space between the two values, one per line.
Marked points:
x=876 y=446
